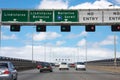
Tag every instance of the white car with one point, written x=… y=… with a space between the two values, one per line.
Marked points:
x=80 y=66
x=63 y=66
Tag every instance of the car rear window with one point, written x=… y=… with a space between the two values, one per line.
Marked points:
x=3 y=65
x=44 y=64
x=81 y=63
x=64 y=63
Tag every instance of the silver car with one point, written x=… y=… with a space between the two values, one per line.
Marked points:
x=7 y=71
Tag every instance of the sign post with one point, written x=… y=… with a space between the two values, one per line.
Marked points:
x=66 y=16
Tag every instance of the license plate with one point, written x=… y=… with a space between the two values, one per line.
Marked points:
x=45 y=67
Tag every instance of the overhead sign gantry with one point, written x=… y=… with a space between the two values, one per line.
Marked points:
x=60 y=17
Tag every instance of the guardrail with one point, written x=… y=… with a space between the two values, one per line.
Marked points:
x=20 y=64
x=104 y=62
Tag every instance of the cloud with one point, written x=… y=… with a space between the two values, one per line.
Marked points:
x=53 y=53
x=53 y=4
x=64 y=4
x=46 y=36
x=81 y=42
x=98 y=4
x=118 y=1
x=108 y=41
x=6 y=27
x=82 y=34
x=7 y=37
x=58 y=43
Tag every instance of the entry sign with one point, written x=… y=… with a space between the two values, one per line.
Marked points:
x=90 y=16
x=66 y=16
x=14 y=15
x=111 y=16
x=41 y=16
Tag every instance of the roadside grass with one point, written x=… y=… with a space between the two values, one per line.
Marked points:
x=106 y=68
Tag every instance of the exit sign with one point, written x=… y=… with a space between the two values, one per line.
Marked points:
x=14 y=15
x=66 y=16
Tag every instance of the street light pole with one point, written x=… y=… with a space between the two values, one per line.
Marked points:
x=32 y=45
x=115 y=60
x=44 y=51
x=86 y=49
x=78 y=54
x=0 y=37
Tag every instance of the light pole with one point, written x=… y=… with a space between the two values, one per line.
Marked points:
x=115 y=60
x=0 y=37
x=86 y=49
x=44 y=51
x=32 y=46
x=78 y=54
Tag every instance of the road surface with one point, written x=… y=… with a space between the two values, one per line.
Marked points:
x=68 y=75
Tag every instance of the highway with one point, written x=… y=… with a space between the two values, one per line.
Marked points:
x=68 y=75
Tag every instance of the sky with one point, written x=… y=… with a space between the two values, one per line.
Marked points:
x=54 y=45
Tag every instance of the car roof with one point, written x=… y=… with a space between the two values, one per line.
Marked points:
x=5 y=62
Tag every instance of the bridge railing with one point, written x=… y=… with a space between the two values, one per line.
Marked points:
x=20 y=64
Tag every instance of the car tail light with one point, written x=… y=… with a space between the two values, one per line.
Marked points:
x=6 y=72
x=39 y=66
x=49 y=67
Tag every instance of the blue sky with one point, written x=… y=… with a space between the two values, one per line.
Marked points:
x=63 y=45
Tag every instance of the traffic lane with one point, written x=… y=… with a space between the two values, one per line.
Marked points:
x=93 y=75
x=56 y=75
x=71 y=74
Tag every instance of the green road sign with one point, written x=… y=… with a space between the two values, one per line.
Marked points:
x=15 y=15
x=41 y=16
x=66 y=16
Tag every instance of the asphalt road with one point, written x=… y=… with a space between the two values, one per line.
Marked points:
x=68 y=75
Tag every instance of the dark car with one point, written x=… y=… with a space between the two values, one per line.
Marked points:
x=7 y=71
x=53 y=65
x=44 y=66
x=72 y=65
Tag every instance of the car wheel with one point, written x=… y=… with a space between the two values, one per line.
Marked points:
x=15 y=78
x=41 y=71
x=51 y=71
x=76 y=69
x=59 y=69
